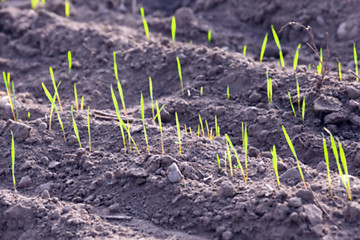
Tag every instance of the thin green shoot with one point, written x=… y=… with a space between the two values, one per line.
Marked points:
x=115 y=67
x=225 y=158
x=202 y=127
x=298 y=92
x=52 y=108
x=52 y=100
x=269 y=90
x=291 y=103
x=326 y=156
x=173 y=28
x=319 y=66
x=303 y=111
x=209 y=35
x=216 y=127
x=344 y=164
x=146 y=27
x=296 y=57
x=237 y=158
x=178 y=131
x=152 y=99
x=82 y=103
x=161 y=134
x=190 y=131
x=88 y=123
x=118 y=115
x=7 y=86
x=218 y=161
x=76 y=98
x=294 y=153
x=244 y=50
x=185 y=129
x=43 y=1
x=309 y=67
x=76 y=130
x=67 y=8
x=124 y=108
x=275 y=165
x=180 y=75
x=160 y=111
x=55 y=87
x=28 y=115
x=13 y=159
x=229 y=158
x=70 y=61
x=246 y=152
x=263 y=47
x=201 y=90
x=356 y=63
x=34 y=4
x=198 y=131
x=228 y=91
x=340 y=74
x=207 y=128
x=16 y=110
x=143 y=120
x=277 y=41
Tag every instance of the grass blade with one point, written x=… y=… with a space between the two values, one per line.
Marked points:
x=16 y=110
x=178 y=131
x=161 y=134
x=52 y=109
x=244 y=50
x=173 y=28
x=237 y=158
x=152 y=99
x=294 y=153
x=326 y=156
x=115 y=67
x=263 y=47
x=277 y=41
x=67 y=8
x=356 y=63
x=274 y=160
x=296 y=57
x=82 y=103
x=13 y=159
x=202 y=127
x=88 y=123
x=303 y=111
x=229 y=158
x=55 y=87
x=7 y=86
x=146 y=27
x=218 y=161
x=76 y=98
x=76 y=130
x=246 y=151
x=298 y=92
x=291 y=103
x=70 y=61
x=143 y=120
x=344 y=164
x=228 y=91
x=340 y=74
x=34 y=4
x=180 y=75
x=209 y=35
x=118 y=115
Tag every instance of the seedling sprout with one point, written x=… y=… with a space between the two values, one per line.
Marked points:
x=218 y=161
x=173 y=28
x=146 y=27
x=178 y=131
x=291 y=103
x=246 y=152
x=296 y=57
x=180 y=75
x=118 y=115
x=228 y=92
x=209 y=35
x=237 y=158
x=298 y=92
x=303 y=111
x=70 y=61
x=82 y=103
x=274 y=160
x=88 y=123
x=76 y=98
x=356 y=63
x=34 y=4
x=55 y=87
x=76 y=130
x=263 y=47
x=244 y=50
x=326 y=156
x=7 y=86
x=340 y=74
x=152 y=99
x=161 y=134
x=202 y=127
x=229 y=158
x=277 y=41
x=13 y=159
x=14 y=99
x=67 y=8
x=201 y=91
x=143 y=120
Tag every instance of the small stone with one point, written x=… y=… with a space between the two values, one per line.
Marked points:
x=165 y=115
x=294 y=217
x=17 y=217
x=25 y=182
x=87 y=165
x=45 y=194
x=291 y=174
x=294 y=202
x=281 y=212
x=220 y=111
x=327 y=104
x=42 y=126
x=281 y=166
x=255 y=97
x=313 y=214
x=354 y=119
x=21 y=130
x=305 y=195
x=253 y=152
x=65 y=209
x=26 y=165
x=80 y=151
x=352 y=92
x=226 y=189
x=250 y=113
x=335 y=117
x=318 y=230
x=174 y=174
x=46 y=186
x=53 y=164
x=72 y=140
x=185 y=17
x=108 y=175
x=227 y=235
x=352 y=212
x=114 y=208
x=321 y=167
x=54 y=214
x=348 y=29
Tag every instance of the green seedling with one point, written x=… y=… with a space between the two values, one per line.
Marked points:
x=191 y=42
x=319 y=66
x=52 y=100
x=161 y=134
x=216 y=128
x=202 y=127
x=207 y=129
x=303 y=111
x=67 y=8
x=229 y=158
x=269 y=88
x=55 y=87
x=198 y=131
x=344 y=164
x=340 y=74
x=190 y=131
x=152 y=99
x=277 y=41
x=209 y=35
x=291 y=146
x=246 y=152
x=228 y=91
x=160 y=111
x=13 y=159
x=70 y=61
x=263 y=47
x=178 y=131
x=237 y=158
x=143 y=120
x=185 y=129
x=76 y=130
x=34 y=4
x=356 y=63
x=274 y=160
x=7 y=86
x=326 y=156
x=225 y=158
x=201 y=91
x=43 y=1
x=296 y=57
x=82 y=103
x=88 y=123
x=309 y=67
x=291 y=103
x=115 y=67
x=14 y=99
x=173 y=28
x=146 y=27
x=52 y=108
x=298 y=92
x=124 y=108
x=218 y=161
x=244 y=50
x=76 y=98
x=28 y=115
x=180 y=75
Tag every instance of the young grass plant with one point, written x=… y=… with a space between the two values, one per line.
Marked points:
x=76 y=130
x=263 y=47
x=209 y=35
x=115 y=67
x=340 y=74
x=296 y=57
x=76 y=98
x=202 y=126
x=217 y=134
x=52 y=100
x=291 y=146
x=14 y=99
x=275 y=165
x=344 y=164
x=7 y=86
x=82 y=103
x=298 y=92
x=201 y=91
x=67 y=8
x=319 y=66
x=180 y=75
x=124 y=108
x=173 y=28
x=303 y=111
x=269 y=88
x=152 y=99
x=161 y=134
x=237 y=158
x=244 y=50
x=178 y=131
x=88 y=123
x=13 y=159
x=52 y=108
x=291 y=103
x=277 y=41
x=34 y=4
x=246 y=152
x=218 y=161
x=70 y=62
x=356 y=63
x=229 y=158
x=228 y=91
x=326 y=156
x=55 y=87
x=143 y=120
x=146 y=27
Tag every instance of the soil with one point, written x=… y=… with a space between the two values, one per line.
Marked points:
x=67 y=192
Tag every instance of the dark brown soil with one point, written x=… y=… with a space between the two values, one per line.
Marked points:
x=67 y=192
